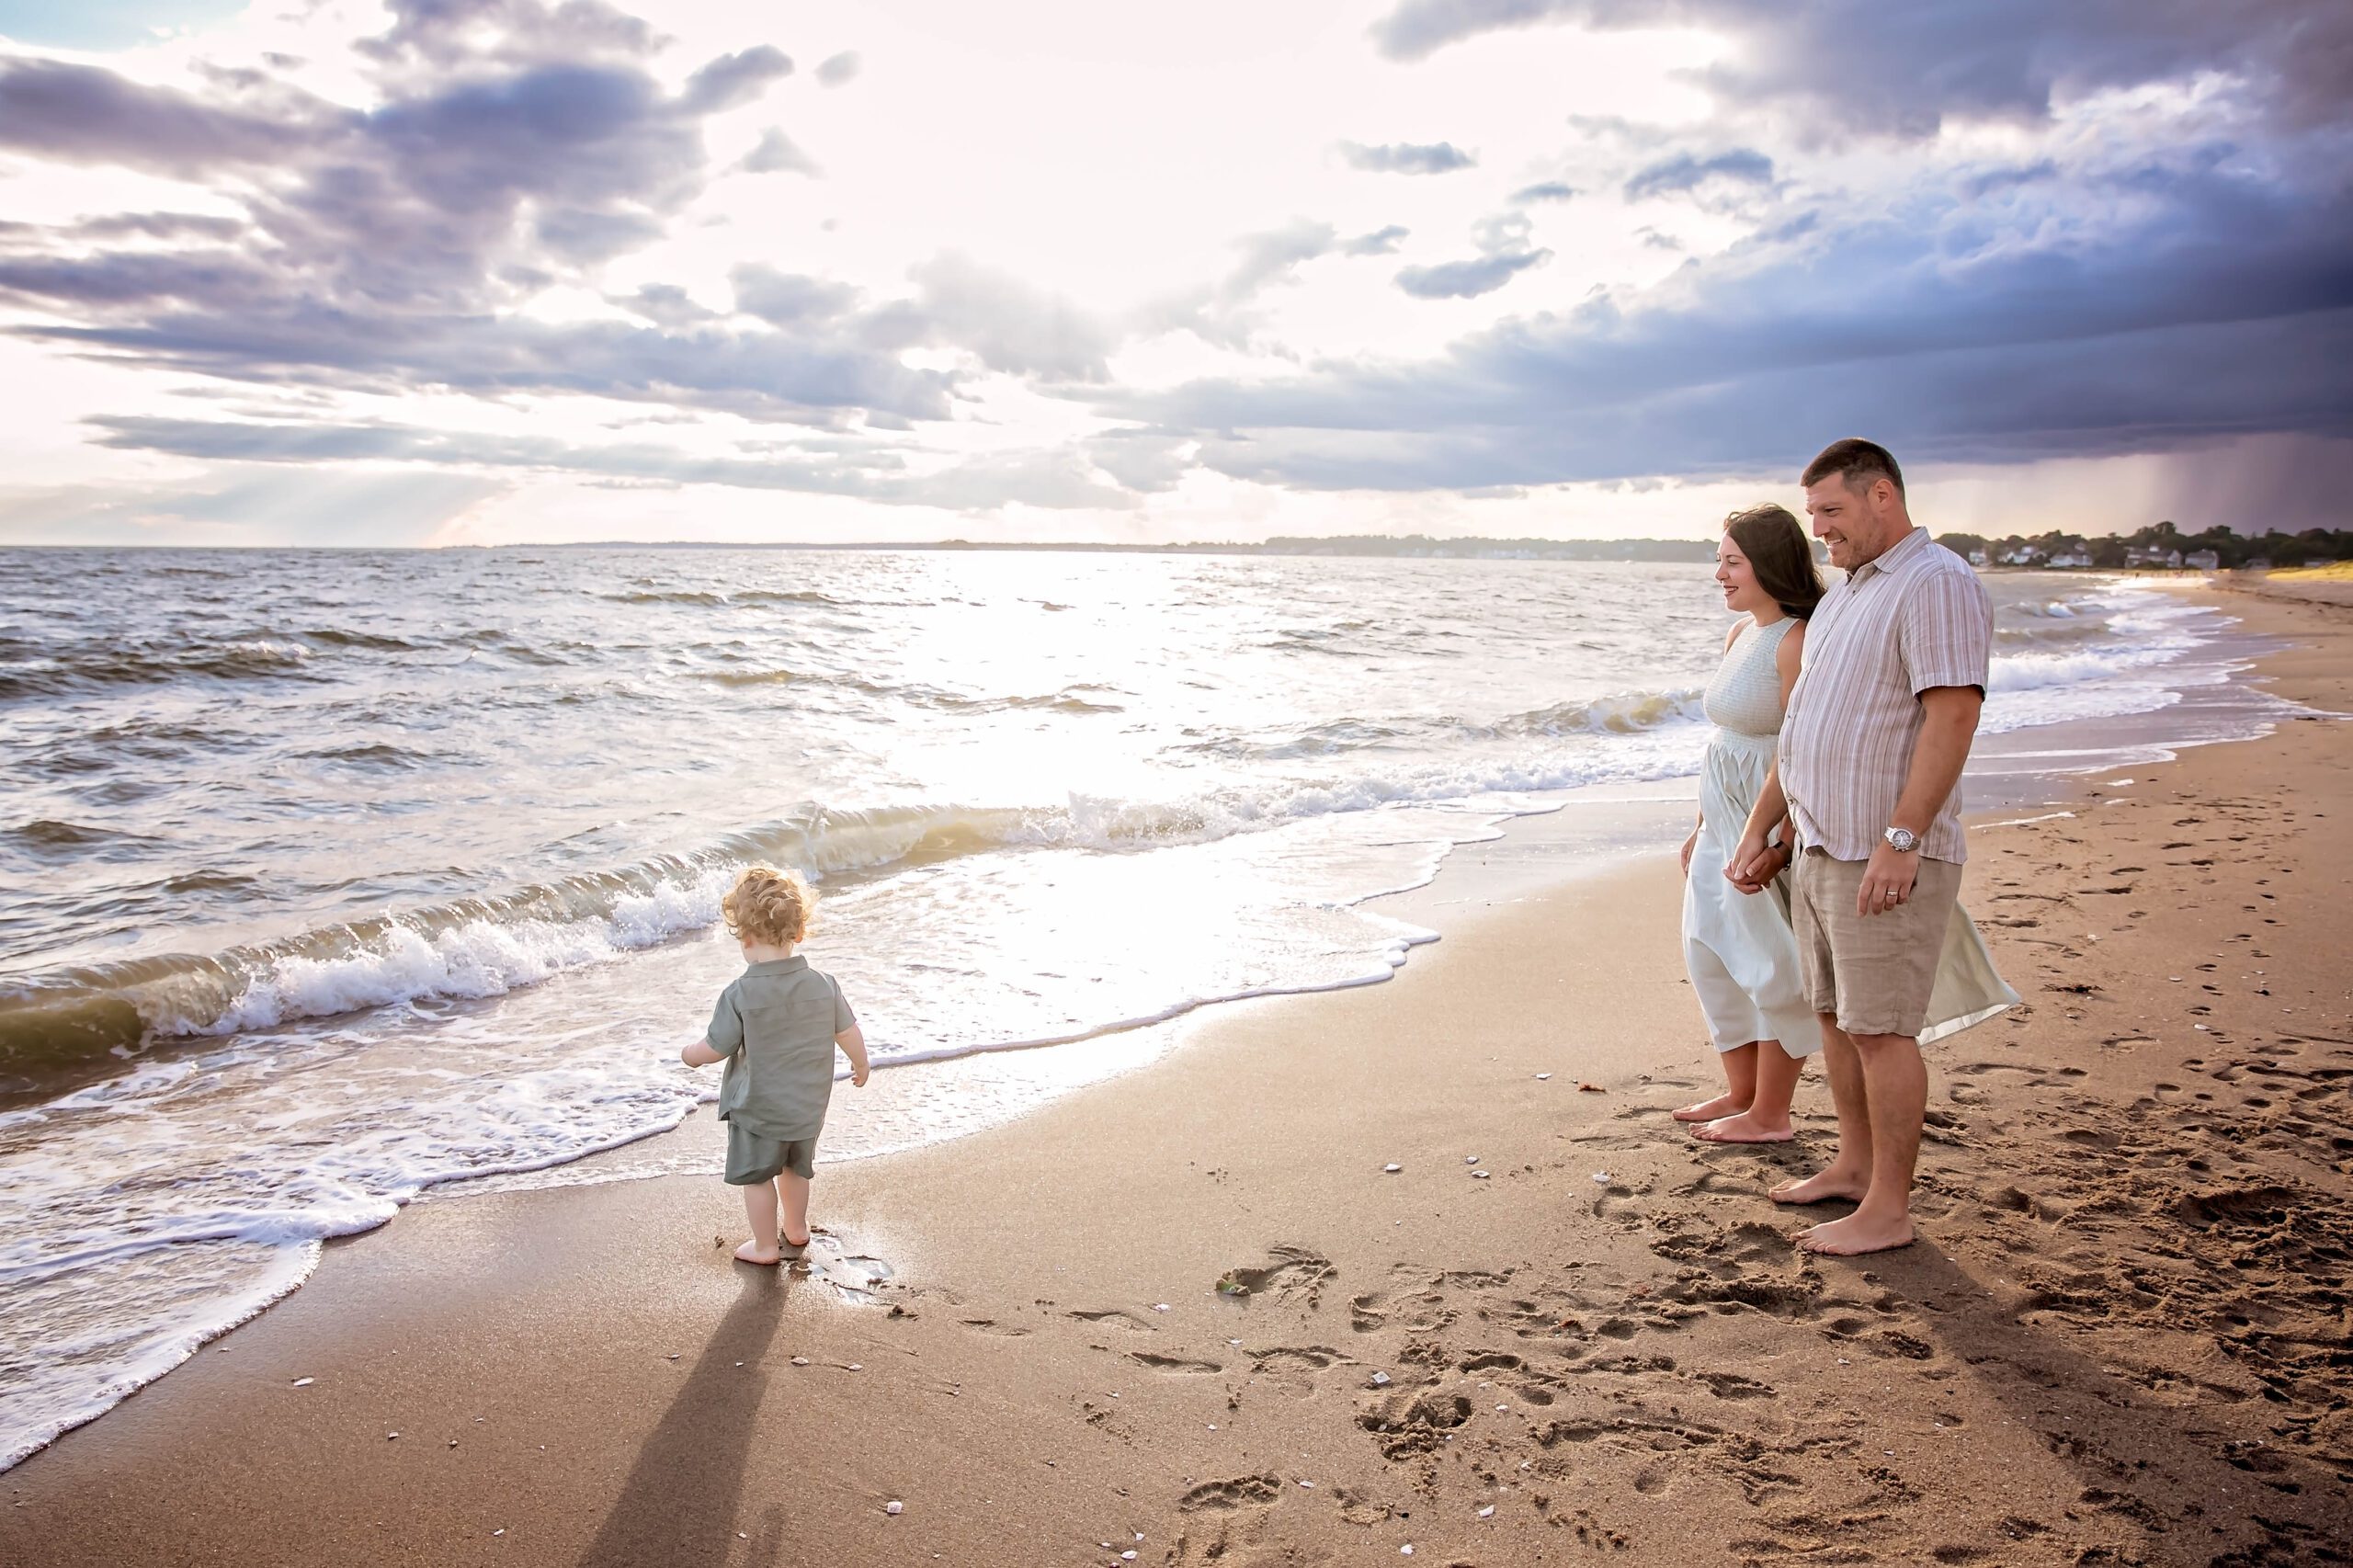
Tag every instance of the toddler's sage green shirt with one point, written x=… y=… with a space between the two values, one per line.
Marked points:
x=776 y=1026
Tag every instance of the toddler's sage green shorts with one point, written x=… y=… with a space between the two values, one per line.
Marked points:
x=756 y=1157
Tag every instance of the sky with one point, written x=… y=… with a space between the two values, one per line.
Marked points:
x=504 y=271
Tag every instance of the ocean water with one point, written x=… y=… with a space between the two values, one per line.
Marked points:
x=329 y=877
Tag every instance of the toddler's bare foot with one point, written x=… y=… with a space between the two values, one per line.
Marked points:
x=1823 y=1187
x=1857 y=1233
x=753 y=1252
x=793 y=1248
x=1746 y=1128
x=1708 y=1110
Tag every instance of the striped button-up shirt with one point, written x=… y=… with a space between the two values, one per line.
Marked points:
x=1914 y=618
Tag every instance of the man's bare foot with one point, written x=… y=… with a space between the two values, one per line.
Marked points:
x=753 y=1252
x=1746 y=1128
x=1710 y=1110
x=1823 y=1186
x=1856 y=1234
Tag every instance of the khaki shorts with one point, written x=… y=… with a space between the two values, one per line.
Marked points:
x=755 y=1157
x=1873 y=974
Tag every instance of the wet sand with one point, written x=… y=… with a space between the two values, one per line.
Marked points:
x=2121 y=1340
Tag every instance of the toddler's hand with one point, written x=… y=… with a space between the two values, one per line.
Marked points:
x=857 y=1075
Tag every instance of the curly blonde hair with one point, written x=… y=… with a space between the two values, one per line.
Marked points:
x=768 y=905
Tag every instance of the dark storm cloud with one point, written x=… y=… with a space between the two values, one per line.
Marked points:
x=512 y=145
x=1685 y=172
x=1959 y=341
x=1406 y=157
x=1864 y=65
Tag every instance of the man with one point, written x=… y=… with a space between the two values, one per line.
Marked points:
x=1868 y=768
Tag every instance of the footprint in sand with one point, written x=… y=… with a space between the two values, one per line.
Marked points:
x=1240 y=1492
x=1294 y=1273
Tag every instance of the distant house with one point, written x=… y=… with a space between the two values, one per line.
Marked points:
x=1979 y=558
x=2072 y=558
x=2202 y=560
x=2025 y=555
x=2146 y=555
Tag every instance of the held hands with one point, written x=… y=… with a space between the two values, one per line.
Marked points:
x=1756 y=863
x=1887 y=879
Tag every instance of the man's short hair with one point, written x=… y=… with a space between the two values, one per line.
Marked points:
x=1856 y=461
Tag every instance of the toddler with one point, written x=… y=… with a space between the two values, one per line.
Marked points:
x=775 y=1028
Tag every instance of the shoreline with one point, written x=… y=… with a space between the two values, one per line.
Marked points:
x=538 y=1312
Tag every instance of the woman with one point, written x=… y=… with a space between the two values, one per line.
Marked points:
x=1739 y=950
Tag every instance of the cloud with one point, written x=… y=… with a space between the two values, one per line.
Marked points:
x=776 y=154
x=509 y=145
x=1981 y=336
x=839 y=70
x=1550 y=190
x=1505 y=252
x=1858 y=66
x=1381 y=241
x=1466 y=279
x=1010 y=324
x=1056 y=479
x=1226 y=313
x=1684 y=172
x=1406 y=157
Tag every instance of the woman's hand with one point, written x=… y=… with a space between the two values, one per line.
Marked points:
x=1690 y=843
x=1754 y=863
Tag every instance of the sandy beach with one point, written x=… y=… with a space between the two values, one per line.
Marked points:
x=1187 y=1316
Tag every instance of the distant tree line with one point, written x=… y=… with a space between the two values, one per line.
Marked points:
x=2157 y=545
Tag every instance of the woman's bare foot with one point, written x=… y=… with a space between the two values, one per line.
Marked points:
x=753 y=1252
x=1746 y=1128
x=1856 y=1234
x=1711 y=1110
x=1823 y=1186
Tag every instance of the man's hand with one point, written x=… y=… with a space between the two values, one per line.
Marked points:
x=1887 y=879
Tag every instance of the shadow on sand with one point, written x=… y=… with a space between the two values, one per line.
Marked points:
x=679 y=1505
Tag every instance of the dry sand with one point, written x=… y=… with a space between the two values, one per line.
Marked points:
x=2123 y=1338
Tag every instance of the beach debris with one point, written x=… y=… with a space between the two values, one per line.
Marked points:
x=499 y=1533
x=1481 y=1176
x=1406 y=1550
x=1230 y=1283
x=671 y=1357
x=1309 y=1485
x=453 y=1442
x=1586 y=1088
x=1470 y=1159
x=1127 y=1556
x=304 y=1382
x=854 y=1366
x=1488 y=1512
x=894 y=1508
x=1541 y=1077
x=797 y=1361
x=1381 y=1379
x=1601 y=1177
x=1160 y=1306
x=392 y=1436
x=1390 y=1169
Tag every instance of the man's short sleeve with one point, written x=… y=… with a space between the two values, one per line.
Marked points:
x=844 y=1019
x=1945 y=632
x=725 y=1035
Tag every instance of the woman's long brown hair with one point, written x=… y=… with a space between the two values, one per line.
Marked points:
x=1780 y=556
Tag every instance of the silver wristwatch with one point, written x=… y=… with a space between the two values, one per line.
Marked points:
x=1902 y=839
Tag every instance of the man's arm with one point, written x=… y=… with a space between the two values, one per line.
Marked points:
x=1938 y=757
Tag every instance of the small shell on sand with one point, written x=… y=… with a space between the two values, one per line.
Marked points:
x=1470 y=1159
x=304 y=1382
x=800 y=1360
x=894 y=1508
x=1601 y=1177
x=1479 y=1175
x=1541 y=1077
x=1381 y=1379
x=1390 y=1169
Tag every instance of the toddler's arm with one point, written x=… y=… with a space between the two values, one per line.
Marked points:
x=698 y=1054
x=853 y=1043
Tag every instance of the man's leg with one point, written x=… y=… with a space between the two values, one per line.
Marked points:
x=1896 y=1082
x=1848 y=1173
